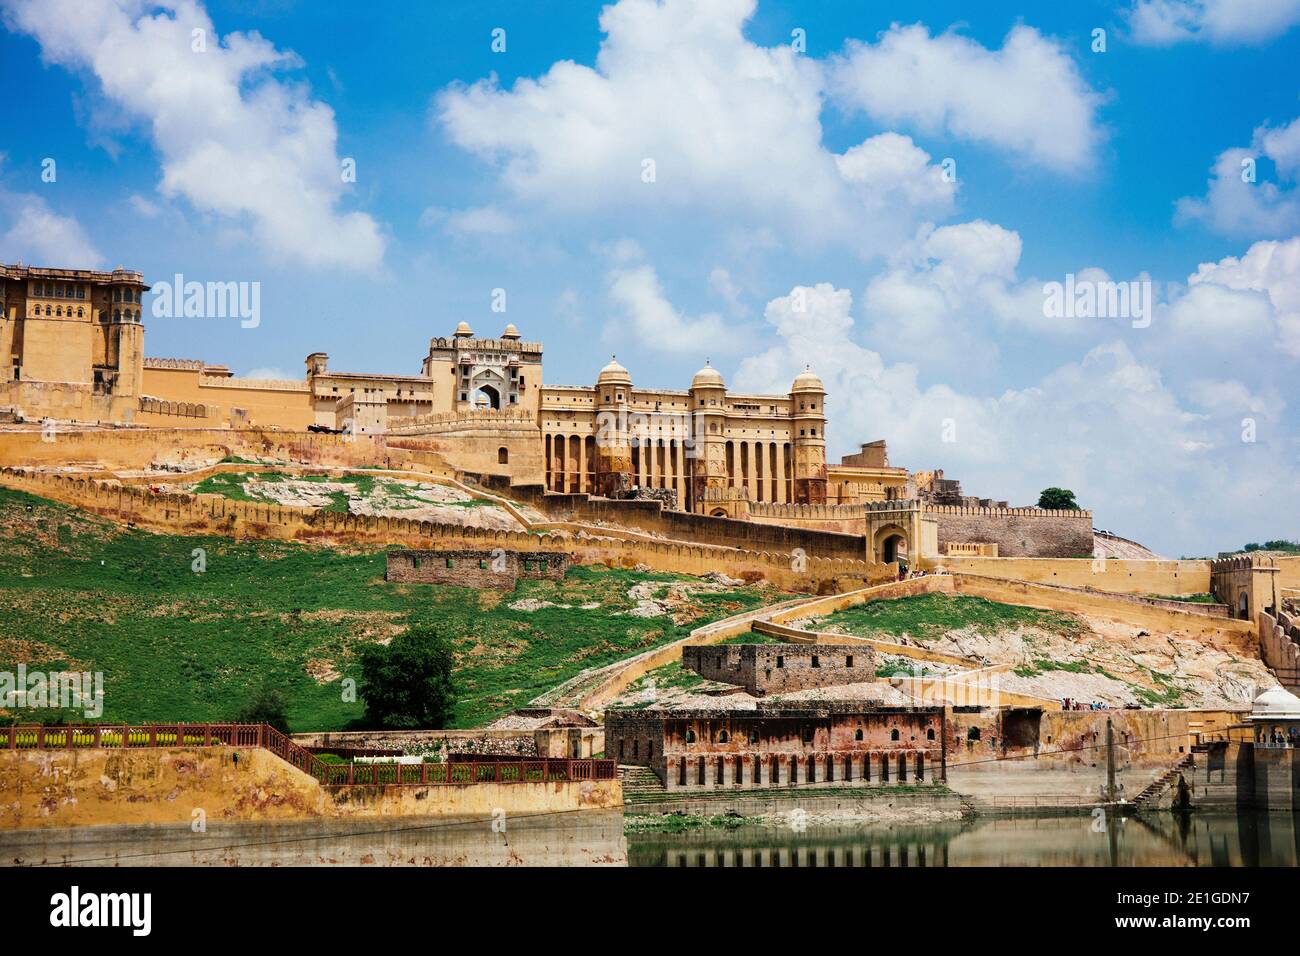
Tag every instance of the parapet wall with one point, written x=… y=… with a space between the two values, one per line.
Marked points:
x=136 y=449
x=1018 y=532
x=651 y=516
x=1175 y=578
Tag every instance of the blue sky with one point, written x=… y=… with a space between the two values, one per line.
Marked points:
x=781 y=175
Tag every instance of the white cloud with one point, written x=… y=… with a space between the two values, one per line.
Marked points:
x=40 y=236
x=483 y=221
x=1266 y=281
x=1239 y=204
x=271 y=372
x=1222 y=22
x=730 y=127
x=1028 y=98
x=1107 y=426
x=233 y=140
x=639 y=295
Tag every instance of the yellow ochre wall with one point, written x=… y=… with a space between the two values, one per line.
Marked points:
x=266 y=406
x=58 y=788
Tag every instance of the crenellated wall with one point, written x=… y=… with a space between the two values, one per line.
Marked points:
x=214 y=514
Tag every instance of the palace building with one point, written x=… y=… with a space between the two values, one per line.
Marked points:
x=71 y=342
x=72 y=350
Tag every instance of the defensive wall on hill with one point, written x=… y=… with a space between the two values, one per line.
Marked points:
x=215 y=514
x=1174 y=578
x=1017 y=532
x=649 y=515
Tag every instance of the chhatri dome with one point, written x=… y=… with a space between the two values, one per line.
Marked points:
x=613 y=374
x=511 y=332
x=463 y=330
x=707 y=377
x=1276 y=703
x=806 y=381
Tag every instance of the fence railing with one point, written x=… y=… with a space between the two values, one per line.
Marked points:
x=329 y=774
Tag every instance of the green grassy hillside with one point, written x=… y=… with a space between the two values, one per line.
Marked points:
x=78 y=592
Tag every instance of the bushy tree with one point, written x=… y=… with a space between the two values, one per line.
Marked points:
x=1058 y=499
x=266 y=707
x=407 y=684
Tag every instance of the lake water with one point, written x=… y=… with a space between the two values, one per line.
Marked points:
x=597 y=838
x=1253 y=839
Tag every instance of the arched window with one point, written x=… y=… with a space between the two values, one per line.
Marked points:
x=857 y=734
x=973 y=734
x=893 y=734
x=929 y=734
x=503 y=456
x=80 y=312
x=722 y=737
x=690 y=736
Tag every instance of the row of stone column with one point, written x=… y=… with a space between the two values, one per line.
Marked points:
x=868 y=768
x=760 y=467
x=931 y=853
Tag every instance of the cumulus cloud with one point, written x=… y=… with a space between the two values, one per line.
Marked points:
x=1256 y=296
x=1237 y=202
x=638 y=296
x=1107 y=425
x=234 y=141
x=1027 y=98
x=40 y=236
x=682 y=114
x=1222 y=22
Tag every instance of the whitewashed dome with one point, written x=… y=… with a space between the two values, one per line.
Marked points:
x=1276 y=703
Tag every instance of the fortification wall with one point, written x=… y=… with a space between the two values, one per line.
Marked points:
x=1236 y=636
x=267 y=404
x=136 y=448
x=1018 y=532
x=477 y=445
x=652 y=517
x=1279 y=646
x=214 y=514
x=1123 y=576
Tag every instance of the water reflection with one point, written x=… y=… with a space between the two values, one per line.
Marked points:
x=1248 y=839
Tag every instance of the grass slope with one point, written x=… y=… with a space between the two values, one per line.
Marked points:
x=79 y=592
x=929 y=616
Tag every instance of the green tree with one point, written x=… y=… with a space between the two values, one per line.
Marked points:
x=408 y=684
x=266 y=707
x=1058 y=499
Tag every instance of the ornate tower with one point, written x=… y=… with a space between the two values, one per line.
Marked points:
x=708 y=468
x=613 y=464
x=808 y=428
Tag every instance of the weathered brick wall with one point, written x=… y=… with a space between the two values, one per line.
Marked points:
x=473 y=568
x=773 y=669
x=632 y=737
x=1018 y=532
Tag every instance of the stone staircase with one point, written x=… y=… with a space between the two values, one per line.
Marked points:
x=638 y=783
x=1162 y=783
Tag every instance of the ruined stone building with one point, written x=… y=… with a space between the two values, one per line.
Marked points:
x=499 y=569
x=776 y=668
